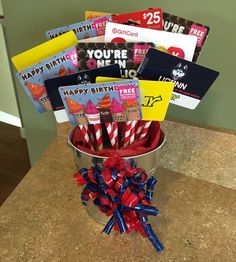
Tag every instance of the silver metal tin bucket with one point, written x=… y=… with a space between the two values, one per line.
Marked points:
x=147 y=161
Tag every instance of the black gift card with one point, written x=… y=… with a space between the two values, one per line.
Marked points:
x=191 y=80
x=83 y=77
x=128 y=55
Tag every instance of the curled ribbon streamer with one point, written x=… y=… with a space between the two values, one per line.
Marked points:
x=123 y=191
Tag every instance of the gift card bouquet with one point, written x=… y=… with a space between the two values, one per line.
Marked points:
x=113 y=77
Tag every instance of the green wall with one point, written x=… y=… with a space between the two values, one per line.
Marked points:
x=8 y=102
x=1 y=12
x=27 y=20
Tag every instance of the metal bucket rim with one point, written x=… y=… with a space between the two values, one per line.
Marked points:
x=105 y=157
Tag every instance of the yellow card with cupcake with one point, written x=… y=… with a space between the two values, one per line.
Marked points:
x=102 y=102
x=155 y=97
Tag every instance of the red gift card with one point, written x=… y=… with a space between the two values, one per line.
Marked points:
x=148 y=18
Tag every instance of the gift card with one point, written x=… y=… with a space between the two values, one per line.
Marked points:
x=88 y=15
x=191 y=80
x=32 y=78
x=127 y=55
x=155 y=97
x=43 y=51
x=97 y=39
x=148 y=18
x=175 y=44
x=102 y=102
x=84 y=77
x=175 y=24
x=86 y=29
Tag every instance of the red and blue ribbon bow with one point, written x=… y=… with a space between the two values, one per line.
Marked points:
x=124 y=192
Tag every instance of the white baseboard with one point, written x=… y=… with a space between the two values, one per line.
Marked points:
x=10 y=119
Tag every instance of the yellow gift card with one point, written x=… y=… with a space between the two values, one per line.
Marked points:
x=43 y=51
x=155 y=97
x=93 y=14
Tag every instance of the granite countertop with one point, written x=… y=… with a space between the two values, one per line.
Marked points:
x=44 y=220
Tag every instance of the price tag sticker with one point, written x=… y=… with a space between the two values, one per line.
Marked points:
x=148 y=18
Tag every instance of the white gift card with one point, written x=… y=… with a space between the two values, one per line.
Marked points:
x=179 y=45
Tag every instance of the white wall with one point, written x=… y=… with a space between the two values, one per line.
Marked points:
x=9 y=112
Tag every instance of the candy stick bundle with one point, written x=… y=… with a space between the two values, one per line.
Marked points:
x=106 y=136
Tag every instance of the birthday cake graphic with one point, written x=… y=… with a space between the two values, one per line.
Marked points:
x=77 y=110
x=92 y=113
x=117 y=111
x=40 y=95
x=132 y=109
x=103 y=107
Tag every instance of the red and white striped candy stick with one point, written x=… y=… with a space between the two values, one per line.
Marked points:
x=115 y=132
x=139 y=129
x=84 y=130
x=98 y=134
x=127 y=134
x=145 y=129
x=132 y=131
x=90 y=133
x=110 y=132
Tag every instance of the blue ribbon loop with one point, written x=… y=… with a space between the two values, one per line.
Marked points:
x=107 y=229
x=147 y=210
x=151 y=182
x=120 y=221
x=152 y=237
